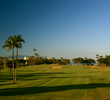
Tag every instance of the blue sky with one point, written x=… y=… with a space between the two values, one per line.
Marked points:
x=57 y=28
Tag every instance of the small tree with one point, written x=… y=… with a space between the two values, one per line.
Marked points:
x=78 y=60
x=31 y=60
x=106 y=56
x=8 y=64
x=91 y=61
x=103 y=61
x=85 y=58
x=66 y=61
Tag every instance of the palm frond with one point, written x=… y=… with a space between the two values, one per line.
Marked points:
x=18 y=46
x=13 y=41
x=8 y=48
x=7 y=42
x=4 y=46
x=34 y=49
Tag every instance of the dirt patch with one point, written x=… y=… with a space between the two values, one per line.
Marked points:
x=57 y=67
x=95 y=66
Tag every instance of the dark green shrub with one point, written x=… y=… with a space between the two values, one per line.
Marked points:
x=8 y=64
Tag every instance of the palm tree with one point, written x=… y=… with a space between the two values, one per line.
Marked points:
x=34 y=54
x=106 y=56
x=100 y=57
x=10 y=44
x=97 y=56
x=19 y=39
x=62 y=60
x=17 y=46
x=34 y=51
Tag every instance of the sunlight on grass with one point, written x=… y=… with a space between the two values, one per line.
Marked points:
x=68 y=83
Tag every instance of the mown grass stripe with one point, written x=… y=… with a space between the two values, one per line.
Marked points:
x=68 y=83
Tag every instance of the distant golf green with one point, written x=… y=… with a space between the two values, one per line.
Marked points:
x=41 y=82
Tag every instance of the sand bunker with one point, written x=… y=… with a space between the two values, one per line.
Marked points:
x=57 y=67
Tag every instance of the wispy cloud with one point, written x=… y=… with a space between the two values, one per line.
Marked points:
x=84 y=52
x=88 y=53
x=80 y=52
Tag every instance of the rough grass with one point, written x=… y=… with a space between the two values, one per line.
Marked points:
x=68 y=83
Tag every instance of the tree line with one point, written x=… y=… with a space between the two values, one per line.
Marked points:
x=36 y=60
x=7 y=63
x=103 y=61
x=83 y=60
x=44 y=60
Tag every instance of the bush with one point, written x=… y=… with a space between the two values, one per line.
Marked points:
x=8 y=64
x=1 y=65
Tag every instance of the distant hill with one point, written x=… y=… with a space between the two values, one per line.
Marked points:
x=19 y=56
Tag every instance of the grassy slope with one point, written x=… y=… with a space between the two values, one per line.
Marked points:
x=68 y=83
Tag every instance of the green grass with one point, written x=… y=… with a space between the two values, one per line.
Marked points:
x=40 y=82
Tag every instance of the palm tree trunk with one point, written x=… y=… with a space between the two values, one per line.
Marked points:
x=9 y=70
x=16 y=64
x=34 y=57
x=0 y=70
x=13 y=65
x=105 y=65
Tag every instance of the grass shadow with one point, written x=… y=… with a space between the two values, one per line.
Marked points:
x=8 y=84
x=44 y=89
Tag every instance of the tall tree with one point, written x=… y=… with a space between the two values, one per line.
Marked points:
x=19 y=39
x=97 y=56
x=10 y=44
x=34 y=54
x=34 y=51
x=62 y=60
